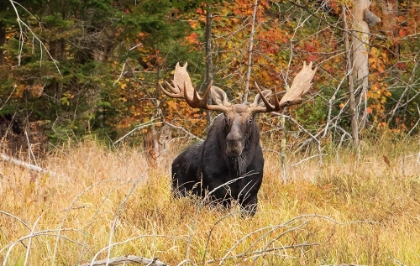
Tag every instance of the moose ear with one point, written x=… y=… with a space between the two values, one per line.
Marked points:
x=258 y=100
x=219 y=96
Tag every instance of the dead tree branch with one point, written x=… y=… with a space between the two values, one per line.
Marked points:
x=126 y=259
x=26 y=165
x=251 y=45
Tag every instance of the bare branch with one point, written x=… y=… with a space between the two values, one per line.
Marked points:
x=251 y=44
x=135 y=129
x=23 y=25
x=26 y=165
x=126 y=259
x=117 y=215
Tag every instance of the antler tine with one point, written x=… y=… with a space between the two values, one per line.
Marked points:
x=177 y=91
x=300 y=85
x=268 y=106
x=202 y=102
x=183 y=88
x=196 y=101
x=206 y=94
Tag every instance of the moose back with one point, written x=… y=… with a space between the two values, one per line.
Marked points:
x=229 y=164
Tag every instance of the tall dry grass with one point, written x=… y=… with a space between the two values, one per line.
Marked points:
x=96 y=203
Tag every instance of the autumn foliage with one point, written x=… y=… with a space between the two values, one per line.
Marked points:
x=101 y=77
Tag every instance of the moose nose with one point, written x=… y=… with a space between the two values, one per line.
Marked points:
x=234 y=140
x=234 y=149
x=234 y=146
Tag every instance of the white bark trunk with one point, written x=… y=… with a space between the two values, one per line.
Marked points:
x=360 y=50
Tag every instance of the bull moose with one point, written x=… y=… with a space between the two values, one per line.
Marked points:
x=229 y=164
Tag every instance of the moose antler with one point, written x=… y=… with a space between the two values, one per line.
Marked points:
x=300 y=86
x=183 y=88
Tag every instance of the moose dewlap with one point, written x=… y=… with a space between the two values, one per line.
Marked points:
x=229 y=164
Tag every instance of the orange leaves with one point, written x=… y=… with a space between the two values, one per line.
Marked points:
x=378 y=59
x=377 y=96
x=270 y=40
x=34 y=90
x=243 y=8
x=20 y=89
x=378 y=92
x=402 y=32
x=192 y=39
x=194 y=24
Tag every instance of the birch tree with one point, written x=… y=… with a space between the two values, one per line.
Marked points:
x=363 y=18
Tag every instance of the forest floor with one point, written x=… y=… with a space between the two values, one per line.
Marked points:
x=360 y=208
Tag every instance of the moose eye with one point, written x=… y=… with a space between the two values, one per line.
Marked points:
x=249 y=120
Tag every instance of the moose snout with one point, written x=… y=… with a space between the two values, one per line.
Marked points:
x=234 y=147
x=235 y=140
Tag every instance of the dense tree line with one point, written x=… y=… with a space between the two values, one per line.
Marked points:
x=72 y=68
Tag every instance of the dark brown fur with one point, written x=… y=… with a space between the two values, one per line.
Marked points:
x=231 y=151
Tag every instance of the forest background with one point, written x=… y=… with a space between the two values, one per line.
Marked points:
x=79 y=92
x=76 y=68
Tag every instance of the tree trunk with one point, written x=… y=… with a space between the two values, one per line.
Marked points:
x=2 y=40
x=362 y=19
x=352 y=99
x=209 y=58
x=251 y=46
x=360 y=51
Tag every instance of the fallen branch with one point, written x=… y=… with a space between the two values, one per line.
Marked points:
x=126 y=259
x=26 y=165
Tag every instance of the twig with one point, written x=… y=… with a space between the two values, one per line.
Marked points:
x=307 y=217
x=70 y=208
x=278 y=237
x=121 y=74
x=304 y=160
x=416 y=124
x=124 y=242
x=31 y=153
x=184 y=262
x=262 y=252
x=28 y=249
x=409 y=85
x=200 y=206
x=313 y=137
x=135 y=129
x=92 y=222
x=210 y=233
x=398 y=262
x=126 y=259
x=184 y=130
x=21 y=39
x=30 y=236
x=122 y=205
x=17 y=218
x=10 y=96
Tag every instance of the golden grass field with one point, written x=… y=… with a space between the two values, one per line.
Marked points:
x=355 y=208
